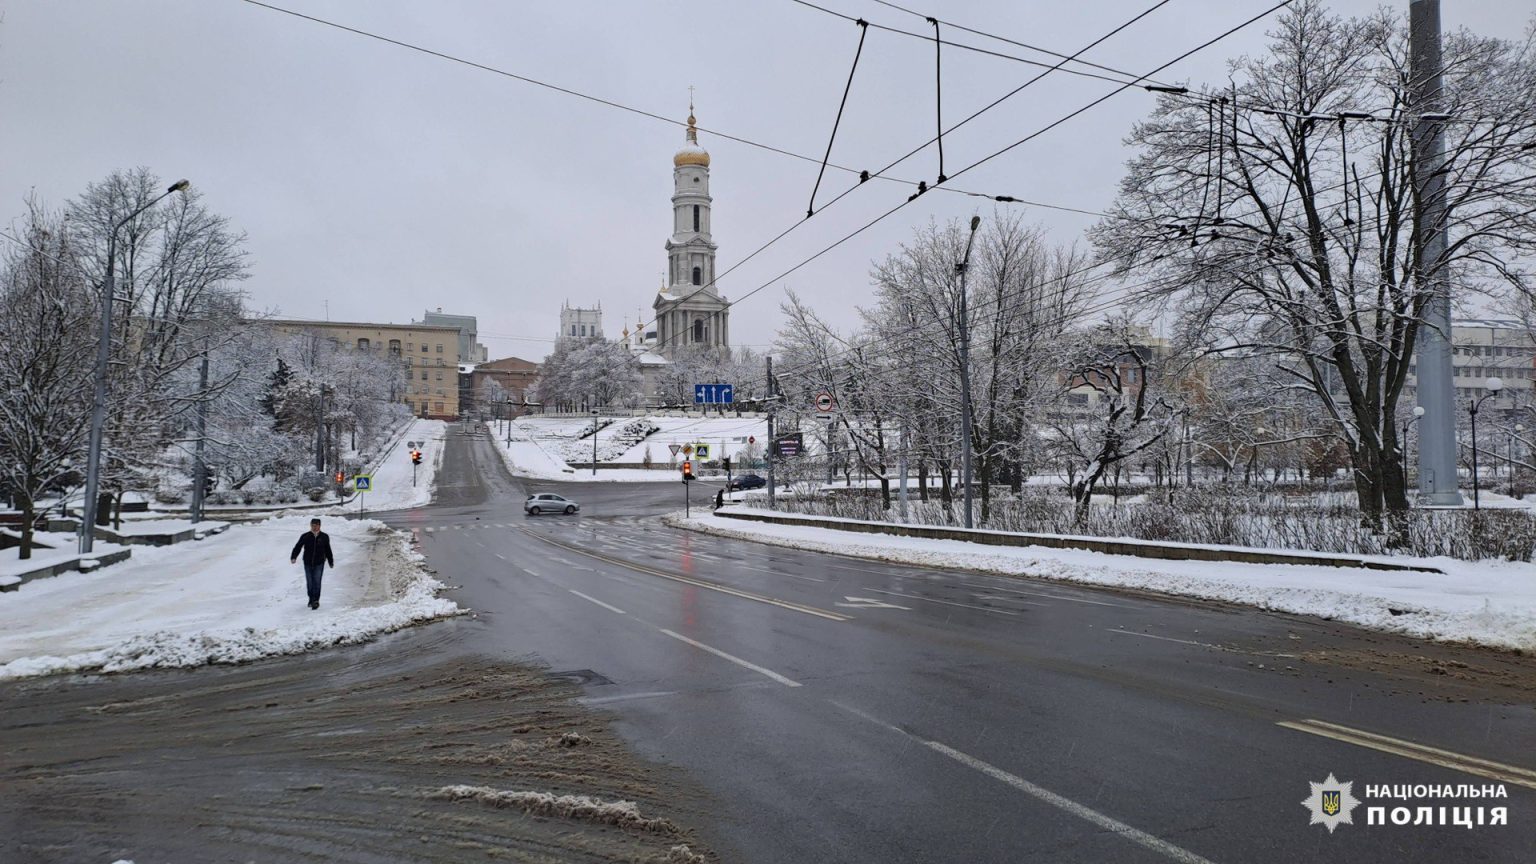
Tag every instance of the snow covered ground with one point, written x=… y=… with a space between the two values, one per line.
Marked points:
x=1486 y=602
x=62 y=547
x=229 y=598
x=143 y=527
x=540 y=446
x=392 y=489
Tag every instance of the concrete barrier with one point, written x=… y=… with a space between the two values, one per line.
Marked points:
x=102 y=560
x=1108 y=546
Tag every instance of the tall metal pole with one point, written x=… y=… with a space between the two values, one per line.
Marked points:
x=1476 y=499
x=902 y=495
x=103 y=359
x=965 y=374
x=99 y=405
x=1436 y=388
x=594 y=442
x=772 y=442
x=200 y=472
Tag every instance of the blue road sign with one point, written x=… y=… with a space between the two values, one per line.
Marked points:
x=713 y=394
x=363 y=482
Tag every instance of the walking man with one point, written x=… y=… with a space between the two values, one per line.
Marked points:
x=316 y=546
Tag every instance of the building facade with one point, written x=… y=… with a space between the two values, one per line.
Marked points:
x=507 y=382
x=580 y=323
x=1483 y=349
x=689 y=310
x=428 y=356
x=470 y=349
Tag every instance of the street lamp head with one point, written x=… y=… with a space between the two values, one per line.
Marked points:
x=180 y=186
x=1494 y=385
x=1418 y=410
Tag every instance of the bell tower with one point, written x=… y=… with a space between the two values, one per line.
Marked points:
x=690 y=310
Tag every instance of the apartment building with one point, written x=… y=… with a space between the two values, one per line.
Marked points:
x=427 y=353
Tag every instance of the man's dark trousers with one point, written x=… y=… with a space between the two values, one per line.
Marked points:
x=312 y=579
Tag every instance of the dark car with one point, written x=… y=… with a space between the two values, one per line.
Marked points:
x=747 y=481
x=548 y=502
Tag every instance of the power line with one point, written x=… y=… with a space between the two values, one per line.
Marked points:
x=1026 y=45
x=845 y=238
x=961 y=45
x=922 y=188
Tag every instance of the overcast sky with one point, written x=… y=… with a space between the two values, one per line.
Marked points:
x=375 y=182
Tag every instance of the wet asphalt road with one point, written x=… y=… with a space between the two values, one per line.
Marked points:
x=844 y=710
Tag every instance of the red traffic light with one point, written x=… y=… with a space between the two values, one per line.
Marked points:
x=340 y=477
x=415 y=457
x=687 y=469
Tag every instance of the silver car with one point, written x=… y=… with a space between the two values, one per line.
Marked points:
x=549 y=502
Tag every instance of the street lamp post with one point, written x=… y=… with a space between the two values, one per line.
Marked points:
x=594 y=442
x=1418 y=414
x=1519 y=427
x=1493 y=385
x=965 y=374
x=103 y=357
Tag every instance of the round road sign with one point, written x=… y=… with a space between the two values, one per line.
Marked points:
x=824 y=401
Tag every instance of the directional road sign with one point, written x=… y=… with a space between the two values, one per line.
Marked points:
x=713 y=394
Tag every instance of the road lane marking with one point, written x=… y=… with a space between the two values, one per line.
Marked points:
x=947 y=602
x=501 y=556
x=1422 y=752
x=734 y=659
x=869 y=603
x=603 y=700
x=597 y=601
x=1162 y=638
x=697 y=583
x=1062 y=597
x=1114 y=826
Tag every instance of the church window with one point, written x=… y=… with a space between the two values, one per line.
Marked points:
x=698 y=276
x=695 y=217
x=698 y=323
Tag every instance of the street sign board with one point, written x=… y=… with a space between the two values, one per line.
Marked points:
x=687 y=449
x=674 y=448
x=713 y=394
x=789 y=445
x=362 y=482
x=826 y=418
x=825 y=404
x=701 y=451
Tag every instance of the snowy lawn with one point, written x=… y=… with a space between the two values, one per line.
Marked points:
x=542 y=447
x=144 y=527
x=226 y=599
x=62 y=547
x=392 y=489
x=1486 y=602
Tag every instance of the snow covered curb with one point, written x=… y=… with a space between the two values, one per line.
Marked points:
x=624 y=814
x=1486 y=603
x=397 y=592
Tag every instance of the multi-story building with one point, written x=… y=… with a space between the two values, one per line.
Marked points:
x=580 y=323
x=1488 y=348
x=428 y=354
x=470 y=349
x=508 y=381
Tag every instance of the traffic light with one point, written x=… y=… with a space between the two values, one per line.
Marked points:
x=415 y=457
x=725 y=462
x=687 y=471
x=340 y=478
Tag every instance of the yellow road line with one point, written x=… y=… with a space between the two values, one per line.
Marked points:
x=697 y=583
x=1423 y=753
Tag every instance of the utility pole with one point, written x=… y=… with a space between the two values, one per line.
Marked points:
x=89 y=506
x=965 y=373
x=1436 y=389
x=772 y=442
x=902 y=495
x=200 y=473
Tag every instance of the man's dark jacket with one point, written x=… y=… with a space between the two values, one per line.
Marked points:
x=317 y=548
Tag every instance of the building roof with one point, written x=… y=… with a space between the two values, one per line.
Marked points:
x=348 y=325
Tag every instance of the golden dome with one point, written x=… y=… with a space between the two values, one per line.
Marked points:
x=692 y=153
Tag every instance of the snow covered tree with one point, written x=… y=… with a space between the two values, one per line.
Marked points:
x=46 y=360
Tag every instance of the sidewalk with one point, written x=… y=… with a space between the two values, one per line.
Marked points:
x=230 y=598
x=1491 y=603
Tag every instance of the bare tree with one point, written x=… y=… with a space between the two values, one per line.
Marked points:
x=1274 y=218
